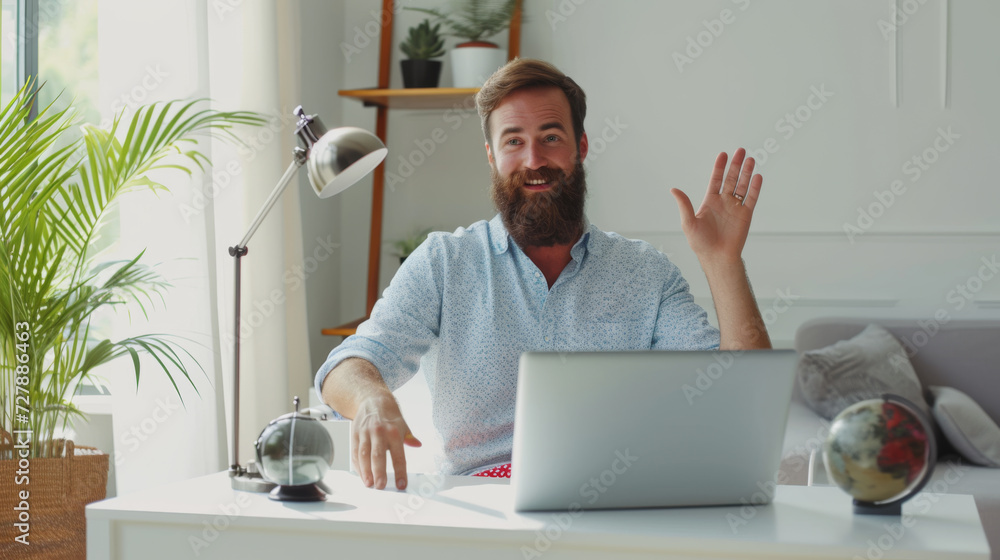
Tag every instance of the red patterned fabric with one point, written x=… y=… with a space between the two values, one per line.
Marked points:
x=503 y=471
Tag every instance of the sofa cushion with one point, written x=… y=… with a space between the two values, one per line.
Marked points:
x=864 y=367
x=959 y=353
x=967 y=426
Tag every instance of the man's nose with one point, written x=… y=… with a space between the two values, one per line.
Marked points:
x=535 y=157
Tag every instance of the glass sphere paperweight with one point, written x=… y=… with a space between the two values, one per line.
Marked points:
x=295 y=451
x=881 y=452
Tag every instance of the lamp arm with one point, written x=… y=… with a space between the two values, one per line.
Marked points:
x=237 y=252
x=298 y=161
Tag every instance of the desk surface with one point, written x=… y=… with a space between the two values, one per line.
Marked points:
x=466 y=517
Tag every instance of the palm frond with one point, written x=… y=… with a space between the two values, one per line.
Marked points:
x=53 y=203
x=151 y=143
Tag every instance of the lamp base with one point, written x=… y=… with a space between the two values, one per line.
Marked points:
x=248 y=479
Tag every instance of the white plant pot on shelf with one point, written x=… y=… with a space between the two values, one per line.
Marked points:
x=472 y=65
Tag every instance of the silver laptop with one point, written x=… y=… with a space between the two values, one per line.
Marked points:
x=601 y=430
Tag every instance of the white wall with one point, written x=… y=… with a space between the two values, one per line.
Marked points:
x=764 y=64
x=737 y=88
x=323 y=69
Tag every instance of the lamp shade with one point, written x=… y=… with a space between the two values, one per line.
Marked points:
x=342 y=157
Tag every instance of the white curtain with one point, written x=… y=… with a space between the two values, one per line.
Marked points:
x=243 y=57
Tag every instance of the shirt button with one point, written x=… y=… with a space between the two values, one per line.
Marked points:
x=547 y=339
x=537 y=274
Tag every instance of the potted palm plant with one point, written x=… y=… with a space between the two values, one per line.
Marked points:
x=53 y=203
x=475 y=59
x=421 y=45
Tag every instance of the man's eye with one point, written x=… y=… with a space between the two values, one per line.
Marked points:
x=513 y=141
x=552 y=138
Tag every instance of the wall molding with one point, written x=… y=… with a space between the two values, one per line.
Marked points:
x=838 y=303
x=945 y=54
x=943 y=234
x=897 y=55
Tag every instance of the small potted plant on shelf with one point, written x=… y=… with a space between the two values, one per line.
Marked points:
x=423 y=43
x=404 y=247
x=475 y=59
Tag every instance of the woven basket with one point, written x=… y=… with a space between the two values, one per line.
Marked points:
x=59 y=489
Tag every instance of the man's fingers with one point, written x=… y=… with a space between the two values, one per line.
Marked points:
x=734 y=172
x=411 y=440
x=754 y=191
x=715 y=181
x=399 y=461
x=364 y=460
x=355 y=446
x=742 y=187
x=684 y=205
x=379 y=447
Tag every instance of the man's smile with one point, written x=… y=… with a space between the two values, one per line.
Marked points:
x=537 y=185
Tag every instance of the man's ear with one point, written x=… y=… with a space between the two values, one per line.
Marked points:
x=584 y=145
x=489 y=154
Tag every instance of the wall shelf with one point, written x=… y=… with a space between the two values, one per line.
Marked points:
x=384 y=98
x=414 y=98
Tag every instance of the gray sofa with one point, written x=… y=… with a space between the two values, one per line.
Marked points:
x=964 y=354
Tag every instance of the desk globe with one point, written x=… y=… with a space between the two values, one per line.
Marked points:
x=294 y=451
x=881 y=452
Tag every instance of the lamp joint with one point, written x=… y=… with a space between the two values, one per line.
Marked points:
x=299 y=155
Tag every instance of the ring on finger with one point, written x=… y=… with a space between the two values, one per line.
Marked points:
x=738 y=197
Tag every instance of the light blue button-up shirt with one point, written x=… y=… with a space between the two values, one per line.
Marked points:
x=465 y=305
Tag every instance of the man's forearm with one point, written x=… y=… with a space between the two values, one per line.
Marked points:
x=740 y=324
x=352 y=381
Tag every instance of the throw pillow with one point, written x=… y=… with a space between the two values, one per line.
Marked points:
x=864 y=367
x=967 y=426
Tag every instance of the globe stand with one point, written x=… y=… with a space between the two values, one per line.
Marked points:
x=249 y=479
x=894 y=508
x=300 y=492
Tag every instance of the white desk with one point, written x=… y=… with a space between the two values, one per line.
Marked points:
x=464 y=517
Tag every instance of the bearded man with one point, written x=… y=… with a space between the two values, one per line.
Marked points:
x=538 y=276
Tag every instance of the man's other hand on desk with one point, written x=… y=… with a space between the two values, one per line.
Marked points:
x=356 y=390
x=378 y=428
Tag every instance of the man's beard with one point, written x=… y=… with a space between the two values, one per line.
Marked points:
x=544 y=218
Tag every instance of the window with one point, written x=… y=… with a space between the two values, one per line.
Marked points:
x=67 y=58
x=8 y=51
x=57 y=43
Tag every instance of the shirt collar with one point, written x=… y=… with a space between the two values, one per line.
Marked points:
x=588 y=242
x=498 y=235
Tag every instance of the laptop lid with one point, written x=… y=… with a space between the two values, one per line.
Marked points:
x=600 y=430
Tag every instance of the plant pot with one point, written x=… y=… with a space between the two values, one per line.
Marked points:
x=59 y=489
x=472 y=63
x=421 y=73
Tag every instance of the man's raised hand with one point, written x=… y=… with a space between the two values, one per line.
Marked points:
x=718 y=231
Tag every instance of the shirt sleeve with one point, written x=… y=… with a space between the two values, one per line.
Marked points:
x=682 y=324
x=403 y=324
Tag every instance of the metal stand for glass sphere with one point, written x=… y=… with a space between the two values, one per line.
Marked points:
x=299 y=493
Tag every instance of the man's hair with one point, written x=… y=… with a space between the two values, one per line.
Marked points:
x=523 y=73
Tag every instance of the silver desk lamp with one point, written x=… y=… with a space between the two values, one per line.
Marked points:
x=335 y=160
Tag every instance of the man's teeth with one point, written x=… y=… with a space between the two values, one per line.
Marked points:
x=537 y=182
